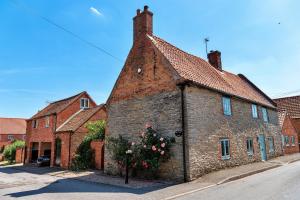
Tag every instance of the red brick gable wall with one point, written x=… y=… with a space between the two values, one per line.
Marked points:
x=156 y=74
x=72 y=109
x=289 y=130
x=78 y=136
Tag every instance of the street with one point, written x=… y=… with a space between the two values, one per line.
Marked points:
x=279 y=183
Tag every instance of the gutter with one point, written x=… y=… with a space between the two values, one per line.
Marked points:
x=182 y=88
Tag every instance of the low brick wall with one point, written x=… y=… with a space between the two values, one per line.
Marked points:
x=20 y=155
x=97 y=146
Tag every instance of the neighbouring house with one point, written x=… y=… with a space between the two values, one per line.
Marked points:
x=12 y=129
x=72 y=132
x=291 y=106
x=58 y=129
x=224 y=119
x=289 y=133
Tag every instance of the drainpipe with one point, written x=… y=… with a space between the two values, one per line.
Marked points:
x=182 y=87
x=54 y=143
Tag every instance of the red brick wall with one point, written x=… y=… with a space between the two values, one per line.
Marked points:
x=155 y=77
x=97 y=146
x=289 y=130
x=4 y=137
x=72 y=109
x=20 y=155
x=40 y=134
x=78 y=136
x=65 y=144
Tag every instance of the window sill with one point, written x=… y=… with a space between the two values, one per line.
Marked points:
x=225 y=157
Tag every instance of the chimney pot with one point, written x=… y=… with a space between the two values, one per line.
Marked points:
x=142 y=23
x=214 y=58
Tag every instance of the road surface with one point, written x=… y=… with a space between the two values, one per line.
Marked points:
x=276 y=184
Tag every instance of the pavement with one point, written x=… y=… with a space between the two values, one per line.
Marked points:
x=23 y=181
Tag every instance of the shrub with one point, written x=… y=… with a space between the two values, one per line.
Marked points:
x=10 y=150
x=154 y=149
x=84 y=157
x=145 y=155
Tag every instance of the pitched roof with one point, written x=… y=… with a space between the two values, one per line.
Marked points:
x=78 y=119
x=12 y=126
x=281 y=117
x=199 y=71
x=57 y=106
x=290 y=105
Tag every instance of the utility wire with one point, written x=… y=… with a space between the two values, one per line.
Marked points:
x=34 y=13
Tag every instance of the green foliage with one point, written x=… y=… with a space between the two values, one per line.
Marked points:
x=10 y=150
x=145 y=155
x=121 y=149
x=84 y=158
x=97 y=129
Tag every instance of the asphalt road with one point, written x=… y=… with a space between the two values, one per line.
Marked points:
x=276 y=184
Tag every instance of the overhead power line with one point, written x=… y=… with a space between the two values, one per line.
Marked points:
x=49 y=21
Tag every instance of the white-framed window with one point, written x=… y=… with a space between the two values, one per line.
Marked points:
x=84 y=103
x=250 y=146
x=271 y=144
x=47 y=122
x=254 y=111
x=10 y=137
x=225 y=149
x=286 y=140
x=226 y=106
x=265 y=114
x=35 y=123
x=293 y=140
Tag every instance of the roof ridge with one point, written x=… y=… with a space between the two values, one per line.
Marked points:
x=68 y=98
x=288 y=97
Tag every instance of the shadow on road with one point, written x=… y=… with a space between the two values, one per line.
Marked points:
x=71 y=185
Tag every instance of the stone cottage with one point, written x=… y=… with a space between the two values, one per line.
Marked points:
x=224 y=119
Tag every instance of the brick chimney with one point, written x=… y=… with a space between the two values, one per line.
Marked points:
x=214 y=58
x=142 y=23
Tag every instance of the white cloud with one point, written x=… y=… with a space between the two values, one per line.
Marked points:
x=95 y=11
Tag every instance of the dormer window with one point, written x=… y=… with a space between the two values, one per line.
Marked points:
x=47 y=122
x=84 y=103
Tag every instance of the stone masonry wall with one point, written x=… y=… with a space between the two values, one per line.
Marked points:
x=206 y=125
x=129 y=117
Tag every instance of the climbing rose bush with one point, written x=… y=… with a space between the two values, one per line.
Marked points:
x=145 y=154
x=155 y=149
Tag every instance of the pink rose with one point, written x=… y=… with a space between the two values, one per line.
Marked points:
x=154 y=134
x=145 y=146
x=133 y=143
x=153 y=148
x=161 y=139
x=158 y=150
x=162 y=153
x=163 y=145
x=148 y=125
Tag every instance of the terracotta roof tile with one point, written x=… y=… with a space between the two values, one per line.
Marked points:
x=12 y=126
x=290 y=105
x=57 y=106
x=78 y=119
x=197 y=70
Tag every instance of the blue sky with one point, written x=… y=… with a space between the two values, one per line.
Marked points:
x=40 y=63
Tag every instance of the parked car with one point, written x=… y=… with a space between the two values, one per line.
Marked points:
x=43 y=161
